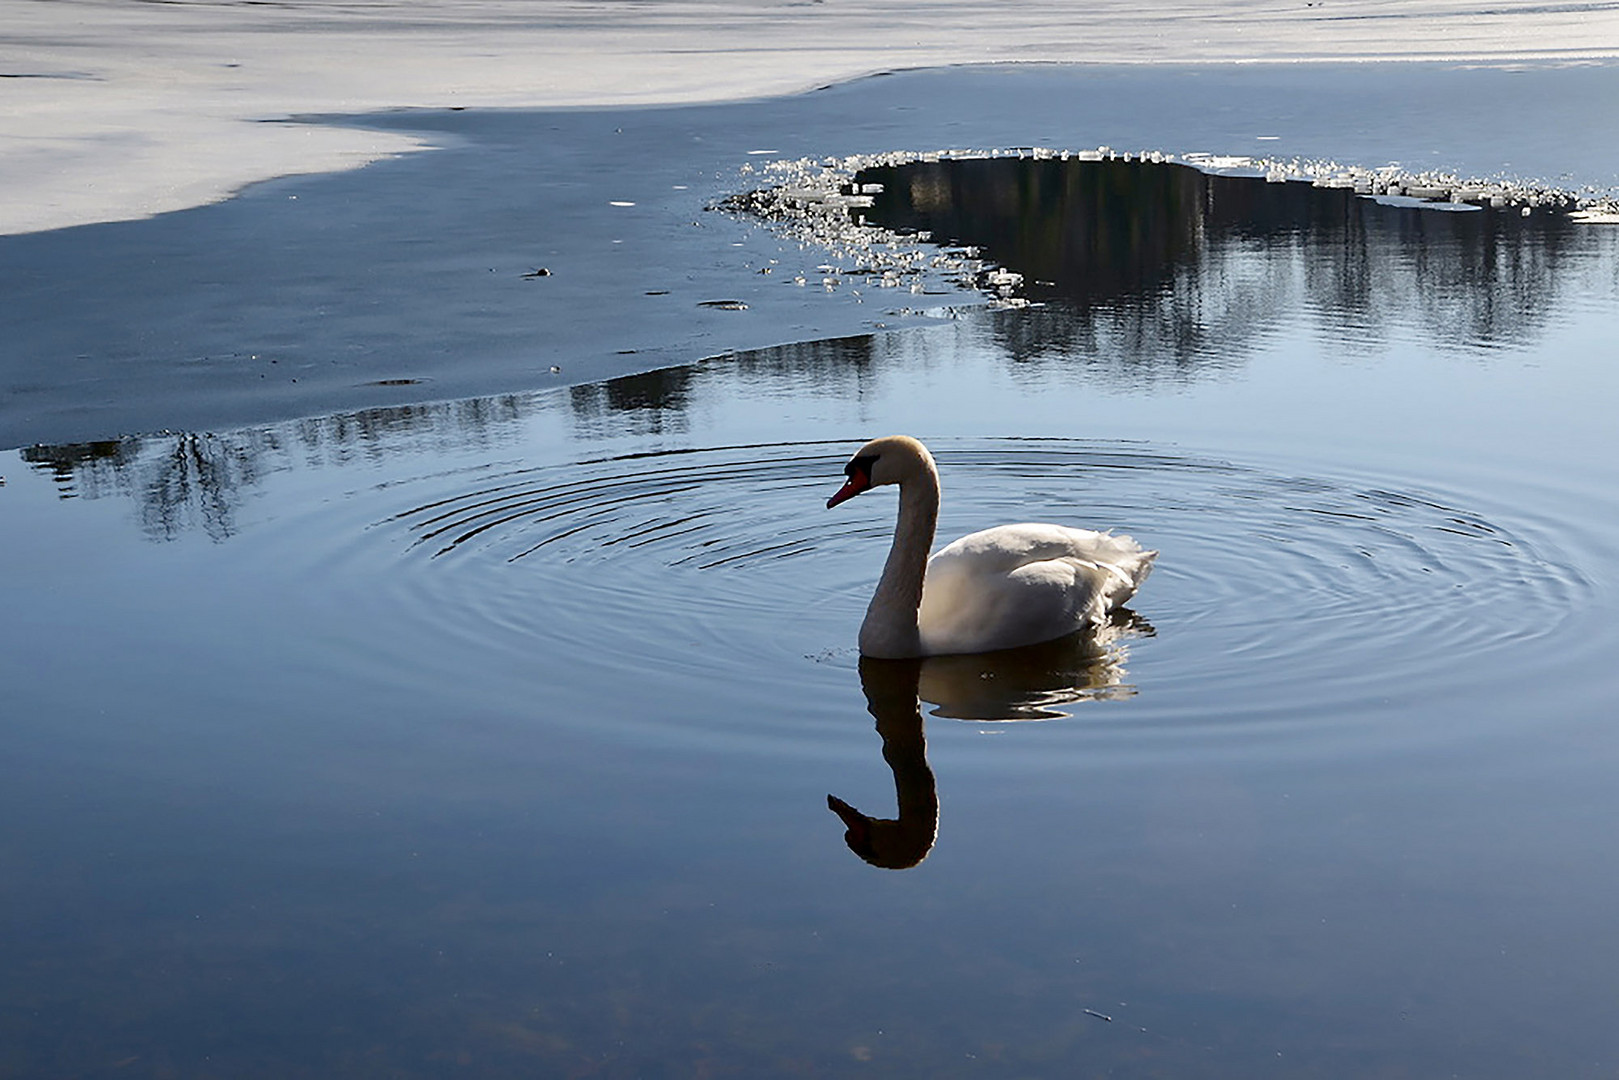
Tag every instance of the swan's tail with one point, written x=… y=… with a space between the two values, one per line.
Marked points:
x=1128 y=563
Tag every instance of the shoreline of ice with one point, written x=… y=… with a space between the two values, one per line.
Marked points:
x=118 y=111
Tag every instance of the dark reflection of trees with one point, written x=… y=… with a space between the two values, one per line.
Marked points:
x=653 y=402
x=1161 y=270
x=656 y=402
x=1098 y=231
x=178 y=482
x=66 y=461
x=848 y=362
x=376 y=433
x=190 y=482
x=198 y=482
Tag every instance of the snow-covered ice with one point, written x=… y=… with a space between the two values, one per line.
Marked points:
x=113 y=109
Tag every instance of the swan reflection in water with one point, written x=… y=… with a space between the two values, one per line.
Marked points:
x=1014 y=684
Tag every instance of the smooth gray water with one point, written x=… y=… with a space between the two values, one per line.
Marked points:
x=494 y=736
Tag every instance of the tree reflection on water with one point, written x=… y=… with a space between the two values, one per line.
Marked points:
x=180 y=482
x=1153 y=270
x=187 y=482
x=1140 y=274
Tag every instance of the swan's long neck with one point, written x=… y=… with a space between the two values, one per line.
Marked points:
x=890 y=627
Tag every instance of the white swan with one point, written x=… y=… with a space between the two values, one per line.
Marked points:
x=1001 y=588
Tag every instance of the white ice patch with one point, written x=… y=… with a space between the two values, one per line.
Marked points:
x=113 y=110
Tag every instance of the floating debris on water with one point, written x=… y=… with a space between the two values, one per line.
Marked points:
x=723 y=305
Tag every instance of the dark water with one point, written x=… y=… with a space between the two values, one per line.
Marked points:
x=494 y=736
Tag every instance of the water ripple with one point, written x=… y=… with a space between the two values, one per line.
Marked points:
x=720 y=562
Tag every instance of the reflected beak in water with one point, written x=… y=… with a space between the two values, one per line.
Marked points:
x=858 y=481
x=856 y=822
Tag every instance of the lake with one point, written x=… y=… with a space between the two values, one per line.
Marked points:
x=454 y=715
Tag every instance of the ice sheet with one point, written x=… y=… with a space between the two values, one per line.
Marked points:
x=115 y=109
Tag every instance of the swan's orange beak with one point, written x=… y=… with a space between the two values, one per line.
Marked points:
x=858 y=482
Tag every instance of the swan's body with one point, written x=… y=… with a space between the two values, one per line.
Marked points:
x=1001 y=588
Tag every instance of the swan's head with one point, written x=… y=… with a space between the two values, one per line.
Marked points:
x=883 y=842
x=892 y=459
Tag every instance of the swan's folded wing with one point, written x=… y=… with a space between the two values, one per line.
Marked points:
x=1021 y=584
x=1004 y=548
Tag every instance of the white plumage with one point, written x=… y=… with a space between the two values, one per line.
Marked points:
x=1001 y=588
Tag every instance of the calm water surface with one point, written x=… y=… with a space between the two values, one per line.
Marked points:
x=494 y=737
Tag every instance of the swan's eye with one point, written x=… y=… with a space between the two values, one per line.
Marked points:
x=860 y=465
